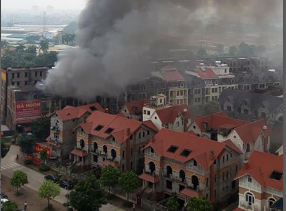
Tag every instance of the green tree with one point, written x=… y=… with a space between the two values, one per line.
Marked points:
x=43 y=155
x=41 y=128
x=210 y=108
x=87 y=195
x=199 y=204
x=220 y=49
x=9 y=206
x=172 y=204
x=27 y=142
x=73 y=171
x=4 y=44
x=4 y=149
x=32 y=50
x=18 y=179
x=202 y=53
x=20 y=47
x=233 y=51
x=196 y=110
x=44 y=45
x=58 y=166
x=49 y=190
x=109 y=176
x=128 y=182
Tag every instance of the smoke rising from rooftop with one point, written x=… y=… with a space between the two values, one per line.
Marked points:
x=113 y=37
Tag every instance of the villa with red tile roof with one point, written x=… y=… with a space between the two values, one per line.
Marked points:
x=176 y=118
x=104 y=139
x=134 y=109
x=191 y=166
x=62 y=138
x=247 y=136
x=260 y=182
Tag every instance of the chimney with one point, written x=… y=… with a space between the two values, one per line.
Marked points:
x=211 y=155
x=127 y=131
x=245 y=164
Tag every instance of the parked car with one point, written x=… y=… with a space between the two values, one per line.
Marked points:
x=66 y=184
x=3 y=195
x=52 y=177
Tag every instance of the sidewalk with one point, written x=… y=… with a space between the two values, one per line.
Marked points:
x=35 y=203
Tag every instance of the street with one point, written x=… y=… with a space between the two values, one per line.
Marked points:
x=35 y=179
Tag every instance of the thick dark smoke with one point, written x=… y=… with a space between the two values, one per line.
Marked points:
x=114 y=35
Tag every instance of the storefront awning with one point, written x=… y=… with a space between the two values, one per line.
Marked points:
x=79 y=153
x=190 y=193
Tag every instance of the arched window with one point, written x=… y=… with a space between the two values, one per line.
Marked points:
x=169 y=171
x=271 y=201
x=105 y=149
x=113 y=154
x=81 y=142
x=249 y=198
x=152 y=167
x=182 y=175
x=95 y=146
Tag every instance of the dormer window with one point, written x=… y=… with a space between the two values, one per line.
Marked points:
x=185 y=153
x=109 y=130
x=172 y=149
x=98 y=128
x=92 y=108
x=249 y=179
x=277 y=175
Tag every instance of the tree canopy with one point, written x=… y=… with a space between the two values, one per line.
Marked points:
x=4 y=148
x=43 y=155
x=172 y=204
x=128 y=182
x=109 y=176
x=198 y=204
x=206 y=109
x=18 y=179
x=49 y=190
x=44 y=45
x=27 y=142
x=41 y=128
x=9 y=206
x=87 y=195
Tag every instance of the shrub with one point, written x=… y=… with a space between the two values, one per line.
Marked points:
x=127 y=204
x=28 y=162
x=44 y=167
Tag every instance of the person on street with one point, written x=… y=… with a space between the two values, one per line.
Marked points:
x=25 y=205
x=133 y=209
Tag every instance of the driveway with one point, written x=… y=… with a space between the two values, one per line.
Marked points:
x=36 y=179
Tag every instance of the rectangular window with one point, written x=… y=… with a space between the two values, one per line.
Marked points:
x=26 y=75
x=249 y=179
x=144 y=111
x=131 y=165
x=18 y=83
x=13 y=75
x=41 y=73
x=36 y=74
x=148 y=112
x=26 y=82
x=131 y=151
x=18 y=75
x=123 y=154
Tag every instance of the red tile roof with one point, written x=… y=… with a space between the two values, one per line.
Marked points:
x=190 y=193
x=207 y=74
x=150 y=124
x=107 y=121
x=171 y=74
x=110 y=163
x=199 y=147
x=79 y=153
x=261 y=166
x=169 y=114
x=249 y=132
x=218 y=120
x=136 y=107
x=149 y=178
x=70 y=112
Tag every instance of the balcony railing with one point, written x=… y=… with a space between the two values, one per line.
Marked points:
x=247 y=206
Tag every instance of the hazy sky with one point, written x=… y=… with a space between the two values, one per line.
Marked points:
x=42 y=4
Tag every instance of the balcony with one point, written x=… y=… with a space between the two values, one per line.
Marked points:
x=245 y=205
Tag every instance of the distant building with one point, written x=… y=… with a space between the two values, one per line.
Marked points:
x=134 y=109
x=189 y=166
x=260 y=182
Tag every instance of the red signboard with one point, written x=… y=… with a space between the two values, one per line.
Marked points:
x=39 y=147
x=28 y=111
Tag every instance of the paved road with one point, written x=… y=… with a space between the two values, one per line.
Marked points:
x=36 y=179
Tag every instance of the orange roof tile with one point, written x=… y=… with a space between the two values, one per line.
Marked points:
x=136 y=107
x=116 y=124
x=172 y=76
x=199 y=147
x=149 y=178
x=169 y=114
x=261 y=166
x=249 y=132
x=150 y=124
x=70 y=112
x=207 y=74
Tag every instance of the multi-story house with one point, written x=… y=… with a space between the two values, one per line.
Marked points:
x=62 y=137
x=176 y=117
x=260 y=182
x=134 y=109
x=214 y=79
x=247 y=136
x=190 y=166
x=104 y=139
x=19 y=77
x=251 y=106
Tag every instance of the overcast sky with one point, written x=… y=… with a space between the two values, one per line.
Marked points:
x=16 y=5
